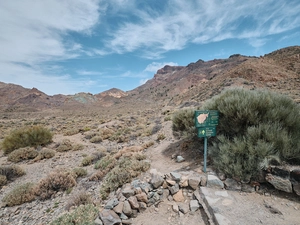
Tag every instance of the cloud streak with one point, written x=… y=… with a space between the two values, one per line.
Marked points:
x=181 y=23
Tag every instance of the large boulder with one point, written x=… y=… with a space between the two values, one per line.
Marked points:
x=280 y=183
x=214 y=182
x=109 y=217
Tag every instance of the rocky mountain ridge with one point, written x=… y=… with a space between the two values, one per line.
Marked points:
x=176 y=85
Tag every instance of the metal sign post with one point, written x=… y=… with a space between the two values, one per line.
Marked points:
x=206 y=122
x=205 y=154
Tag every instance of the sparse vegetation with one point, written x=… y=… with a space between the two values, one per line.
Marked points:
x=27 y=136
x=20 y=194
x=84 y=214
x=80 y=198
x=122 y=173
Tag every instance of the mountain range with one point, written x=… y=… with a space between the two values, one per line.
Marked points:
x=175 y=85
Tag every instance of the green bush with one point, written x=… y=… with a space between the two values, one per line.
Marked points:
x=183 y=123
x=27 y=136
x=82 y=215
x=22 y=154
x=19 y=195
x=255 y=128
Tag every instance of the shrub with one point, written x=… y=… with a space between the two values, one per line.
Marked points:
x=183 y=123
x=86 y=161
x=19 y=195
x=98 y=175
x=107 y=162
x=64 y=146
x=254 y=126
x=83 y=215
x=26 y=136
x=80 y=198
x=55 y=182
x=78 y=147
x=3 y=180
x=79 y=172
x=96 y=139
x=11 y=172
x=125 y=170
x=22 y=154
x=45 y=153
x=160 y=137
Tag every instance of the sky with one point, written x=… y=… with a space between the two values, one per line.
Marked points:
x=72 y=46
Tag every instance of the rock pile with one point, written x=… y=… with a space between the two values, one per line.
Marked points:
x=132 y=198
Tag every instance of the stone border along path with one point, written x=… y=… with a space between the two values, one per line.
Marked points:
x=190 y=191
x=181 y=188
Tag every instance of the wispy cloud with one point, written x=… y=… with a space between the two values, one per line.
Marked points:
x=88 y=72
x=154 y=66
x=180 y=23
x=34 y=33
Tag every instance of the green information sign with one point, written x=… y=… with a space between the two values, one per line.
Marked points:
x=206 y=118
x=206 y=131
x=206 y=122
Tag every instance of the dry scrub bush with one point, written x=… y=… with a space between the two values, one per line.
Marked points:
x=45 y=153
x=26 y=136
x=80 y=198
x=79 y=172
x=107 y=162
x=78 y=147
x=82 y=215
x=3 y=180
x=11 y=172
x=88 y=160
x=122 y=173
x=96 y=139
x=19 y=195
x=64 y=146
x=56 y=181
x=98 y=175
x=71 y=132
x=148 y=144
x=22 y=154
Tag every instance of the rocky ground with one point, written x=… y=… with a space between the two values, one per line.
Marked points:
x=162 y=156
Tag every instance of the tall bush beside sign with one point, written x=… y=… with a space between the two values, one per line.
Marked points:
x=206 y=122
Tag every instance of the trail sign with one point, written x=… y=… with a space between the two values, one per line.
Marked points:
x=206 y=131
x=206 y=118
x=206 y=122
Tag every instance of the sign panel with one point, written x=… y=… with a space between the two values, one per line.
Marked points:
x=206 y=131
x=206 y=118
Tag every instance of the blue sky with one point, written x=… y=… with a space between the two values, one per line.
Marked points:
x=71 y=46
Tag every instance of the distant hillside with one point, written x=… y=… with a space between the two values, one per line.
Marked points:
x=175 y=85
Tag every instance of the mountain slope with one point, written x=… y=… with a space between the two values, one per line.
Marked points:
x=175 y=85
